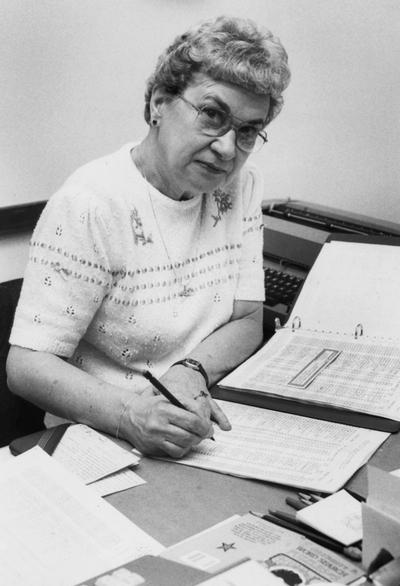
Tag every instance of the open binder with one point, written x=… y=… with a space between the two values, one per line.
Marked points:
x=338 y=356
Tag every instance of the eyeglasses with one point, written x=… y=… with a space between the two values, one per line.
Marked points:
x=215 y=122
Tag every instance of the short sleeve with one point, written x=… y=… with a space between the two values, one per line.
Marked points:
x=250 y=285
x=67 y=276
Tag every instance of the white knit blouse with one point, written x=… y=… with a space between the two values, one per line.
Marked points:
x=121 y=277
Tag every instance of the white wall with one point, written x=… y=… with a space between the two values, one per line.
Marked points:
x=72 y=77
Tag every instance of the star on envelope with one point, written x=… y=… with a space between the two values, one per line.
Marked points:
x=226 y=546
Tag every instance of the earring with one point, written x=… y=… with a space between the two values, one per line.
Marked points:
x=154 y=122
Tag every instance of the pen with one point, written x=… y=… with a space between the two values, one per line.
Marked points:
x=305 y=498
x=167 y=394
x=297 y=504
x=310 y=497
x=351 y=552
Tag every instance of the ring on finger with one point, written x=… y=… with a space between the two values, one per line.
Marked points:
x=201 y=394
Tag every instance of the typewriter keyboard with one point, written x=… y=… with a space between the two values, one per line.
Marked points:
x=280 y=287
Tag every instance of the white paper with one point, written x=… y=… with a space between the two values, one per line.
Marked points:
x=352 y=288
x=244 y=574
x=55 y=530
x=338 y=516
x=248 y=536
x=5 y=455
x=365 y=376
x=352 y=283
x=90 y=454
x=121 y=480
x=286 y=449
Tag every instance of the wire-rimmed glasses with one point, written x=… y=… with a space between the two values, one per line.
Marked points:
x=213 y=121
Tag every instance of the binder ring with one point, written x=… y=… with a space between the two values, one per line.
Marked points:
x=296 y=323
x=358 y=331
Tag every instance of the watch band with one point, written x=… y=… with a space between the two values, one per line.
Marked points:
x=194 y=365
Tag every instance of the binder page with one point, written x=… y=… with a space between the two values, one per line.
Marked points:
x=285 y=448
x=352 y=283
x=55 y=530
x=360 y=375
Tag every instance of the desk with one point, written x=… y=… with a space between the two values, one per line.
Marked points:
x=179 y=501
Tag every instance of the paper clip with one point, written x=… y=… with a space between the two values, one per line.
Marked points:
x=296 y=323
x=358 y=331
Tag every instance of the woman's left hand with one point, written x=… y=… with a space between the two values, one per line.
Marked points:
x=189 y=387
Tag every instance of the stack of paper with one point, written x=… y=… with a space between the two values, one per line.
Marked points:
x=55 y=530
x=97 y=460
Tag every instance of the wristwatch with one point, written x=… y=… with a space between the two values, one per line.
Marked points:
x=194 y=365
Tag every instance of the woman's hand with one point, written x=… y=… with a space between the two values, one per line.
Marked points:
x=189 y=387
x=156 y=427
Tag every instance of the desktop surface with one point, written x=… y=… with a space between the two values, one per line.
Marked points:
x=178 y=501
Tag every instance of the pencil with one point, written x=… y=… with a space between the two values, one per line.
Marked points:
x=163 y=390
x=167 y=394
x=351 y=552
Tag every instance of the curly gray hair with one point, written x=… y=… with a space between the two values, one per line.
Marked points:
x=228 y=49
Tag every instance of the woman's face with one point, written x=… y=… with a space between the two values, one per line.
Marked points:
x=188 y=161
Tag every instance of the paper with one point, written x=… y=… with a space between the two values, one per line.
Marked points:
x=286 y=449
x=364 y=377
x=351 y=283
x=338 y=516
x=240 y=576
x=282 y=552
x=341 y=313
x=5 y=455
x=121 y=480
x=91 y=455
x=54 y=529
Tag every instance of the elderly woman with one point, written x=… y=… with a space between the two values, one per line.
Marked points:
x=151 y=258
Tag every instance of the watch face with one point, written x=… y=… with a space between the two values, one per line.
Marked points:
x=192 y=362
x=195 y=365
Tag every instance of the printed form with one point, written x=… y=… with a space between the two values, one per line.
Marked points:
x=97 y=460
x=359 y=375
x=285 y=448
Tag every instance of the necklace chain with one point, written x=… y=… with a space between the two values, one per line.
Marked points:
x=187 y=290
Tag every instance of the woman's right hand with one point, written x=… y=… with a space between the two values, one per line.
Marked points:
x=156 y=427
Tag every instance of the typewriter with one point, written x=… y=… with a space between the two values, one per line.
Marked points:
x=294 y=232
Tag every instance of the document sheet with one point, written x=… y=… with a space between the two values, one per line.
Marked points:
x=352 y=283
x=285 y=448
x=338 y=516
x=279 y=550
x=364 y=375
x=55 y=530
x=121 y=480
x=90 y=454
